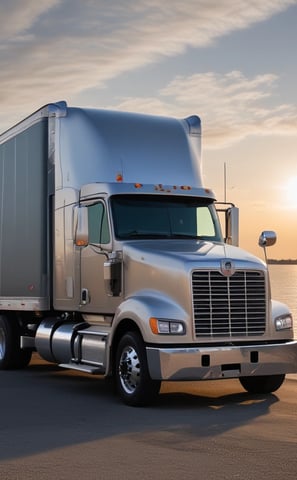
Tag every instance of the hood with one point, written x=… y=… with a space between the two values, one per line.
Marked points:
x=190 y=252
x=160 y=270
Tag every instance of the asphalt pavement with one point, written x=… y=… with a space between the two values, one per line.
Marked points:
x=61 y=425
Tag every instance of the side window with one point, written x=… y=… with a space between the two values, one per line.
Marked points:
x=98 y=224
x=205 y=223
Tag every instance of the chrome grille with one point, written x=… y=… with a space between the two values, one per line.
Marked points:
x=229 y=306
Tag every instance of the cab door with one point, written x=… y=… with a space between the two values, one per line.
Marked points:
x=93 y=295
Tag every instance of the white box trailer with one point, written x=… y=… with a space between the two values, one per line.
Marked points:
x=112 y=259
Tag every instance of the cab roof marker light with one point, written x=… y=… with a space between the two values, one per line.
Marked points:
x=168 y=188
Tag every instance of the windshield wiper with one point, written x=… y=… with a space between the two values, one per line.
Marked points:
x=134 y=234
x=184 y=235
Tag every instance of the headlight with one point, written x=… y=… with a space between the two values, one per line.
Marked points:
x=161 y=326
x=284 y=322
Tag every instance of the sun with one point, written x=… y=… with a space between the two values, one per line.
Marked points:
x=291 y=191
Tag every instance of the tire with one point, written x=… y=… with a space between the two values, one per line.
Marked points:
x=133 y=382
x=11 y=355
x=262 y=384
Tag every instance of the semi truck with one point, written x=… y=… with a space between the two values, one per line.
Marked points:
x=113 y=259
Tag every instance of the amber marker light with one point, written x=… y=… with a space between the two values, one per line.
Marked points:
x=119 y=177
x=137 y=185
x=81 y=243
x=154 y=325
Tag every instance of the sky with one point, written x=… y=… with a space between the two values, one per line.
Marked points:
x=231 y=62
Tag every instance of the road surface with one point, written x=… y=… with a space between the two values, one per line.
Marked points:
x=58 y=424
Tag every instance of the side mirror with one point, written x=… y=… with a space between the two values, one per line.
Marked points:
x=229 y=216
x=232 y=226
x=267 y=238
x=81 y=226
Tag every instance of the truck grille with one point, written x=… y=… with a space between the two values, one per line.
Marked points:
x=229 y=306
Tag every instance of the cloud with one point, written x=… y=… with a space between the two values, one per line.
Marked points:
x=232 y=106
x=18 y=16
x=54 y=49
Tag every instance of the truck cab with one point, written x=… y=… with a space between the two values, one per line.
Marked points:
x=137 y=280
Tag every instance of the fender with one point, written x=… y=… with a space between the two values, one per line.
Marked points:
x=146 y=304
x=281 y=311
x=278 y=308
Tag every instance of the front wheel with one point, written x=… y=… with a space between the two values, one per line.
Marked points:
x=133 y=382
x=11 y=355
x=262 y=384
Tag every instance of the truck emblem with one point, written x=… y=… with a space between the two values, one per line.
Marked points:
x=227 y=268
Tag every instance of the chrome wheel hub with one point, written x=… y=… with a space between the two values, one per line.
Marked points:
x=129 y=370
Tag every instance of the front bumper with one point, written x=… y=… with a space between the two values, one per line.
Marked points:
x=211 y=363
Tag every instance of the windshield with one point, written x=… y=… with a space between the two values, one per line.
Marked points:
x=148 y=216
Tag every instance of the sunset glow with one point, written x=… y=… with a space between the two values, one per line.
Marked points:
x=230 y=62
x=291 y=192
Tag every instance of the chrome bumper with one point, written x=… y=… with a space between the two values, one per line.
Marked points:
x=210 y=363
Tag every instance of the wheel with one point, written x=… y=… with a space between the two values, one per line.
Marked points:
x=11 y=355
x=133 y=382
x=262 y=384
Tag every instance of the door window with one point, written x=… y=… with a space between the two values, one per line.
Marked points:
x=98 y=224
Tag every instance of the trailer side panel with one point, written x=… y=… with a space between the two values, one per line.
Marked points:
x=24 y=229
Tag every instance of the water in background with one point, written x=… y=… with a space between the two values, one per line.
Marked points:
x=284 y=287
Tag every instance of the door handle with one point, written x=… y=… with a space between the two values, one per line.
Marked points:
x=84 y=297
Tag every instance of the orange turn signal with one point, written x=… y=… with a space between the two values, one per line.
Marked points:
x=81 y=243
x=154 y=325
